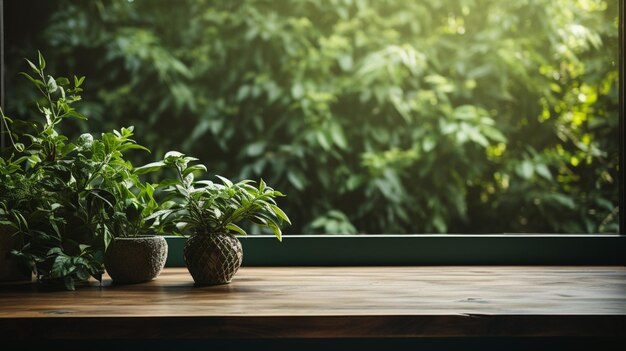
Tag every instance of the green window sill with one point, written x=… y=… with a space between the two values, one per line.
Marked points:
x=358 y=250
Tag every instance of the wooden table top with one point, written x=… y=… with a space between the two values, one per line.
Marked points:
x=329 y=302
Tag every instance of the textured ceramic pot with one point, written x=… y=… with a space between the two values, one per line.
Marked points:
x=9 y=268
x=213 y=258
x=135 y=259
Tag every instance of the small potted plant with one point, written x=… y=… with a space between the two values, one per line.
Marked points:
x=135 y=254
x=209 y=214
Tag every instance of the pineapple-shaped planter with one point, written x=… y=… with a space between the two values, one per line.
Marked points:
x=213 y=258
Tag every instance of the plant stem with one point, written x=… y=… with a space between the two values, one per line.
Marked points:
x=49 y=97
x=8 y=129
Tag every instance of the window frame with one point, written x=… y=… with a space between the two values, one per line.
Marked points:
x=621 y=112
x=2 y=71
x=435 y=249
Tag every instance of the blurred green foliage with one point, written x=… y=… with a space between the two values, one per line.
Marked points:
x=456 y=116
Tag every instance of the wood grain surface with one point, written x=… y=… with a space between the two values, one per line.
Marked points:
x=329 y=302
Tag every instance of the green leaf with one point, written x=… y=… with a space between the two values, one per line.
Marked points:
x=33 y=66
x=82 y=273
x=78 y=81
x=168 y=182
x=562 y=199
x=160 y=213
x=61 y=267
x=149 y=168
x=297 y=180
x=182 y=190
x=322 y=140
x=255 y=149
x=100 y=199
x=42 y=62
x=280 y=213
x=37 y=82
x=52 y=85
x=75 y=114
x=276 y=230
x=440 y=223
x=194 y=168
x=132 y=146
x=172 y=155
x=62 y=81
x=133 y=213
x=235 y=228
x=225 y=180
x=338 y=136
x=525 y=169
x=543 y=171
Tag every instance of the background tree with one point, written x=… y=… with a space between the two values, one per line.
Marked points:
x=459 y=116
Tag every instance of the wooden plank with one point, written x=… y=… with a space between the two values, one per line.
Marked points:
x=330 y=302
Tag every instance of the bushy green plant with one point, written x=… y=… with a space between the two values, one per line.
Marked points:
x=202 y=207
x=67 y=198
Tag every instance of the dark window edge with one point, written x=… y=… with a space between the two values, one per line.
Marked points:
x=436 y=249
x=2 y=73
x=622 y=110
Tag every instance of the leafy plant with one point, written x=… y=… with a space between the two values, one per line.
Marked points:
x=131 y=217
x=75 y=194
x=202 y=207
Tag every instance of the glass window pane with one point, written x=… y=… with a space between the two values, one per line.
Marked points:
x=456 y=116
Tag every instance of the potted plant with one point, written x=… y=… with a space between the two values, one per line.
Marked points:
x=36 y=157
x=79 y=186
x=136 y=254
x=210 y=214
